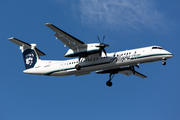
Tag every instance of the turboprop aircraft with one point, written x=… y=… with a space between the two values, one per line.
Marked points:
x=91 y=57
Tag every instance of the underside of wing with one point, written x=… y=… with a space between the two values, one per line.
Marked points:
x=125 y=70
x=66 y=38
x=130 y=72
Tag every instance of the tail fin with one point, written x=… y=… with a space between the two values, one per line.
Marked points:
x=29 y=51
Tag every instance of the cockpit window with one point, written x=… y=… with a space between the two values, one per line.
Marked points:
x=157 y=48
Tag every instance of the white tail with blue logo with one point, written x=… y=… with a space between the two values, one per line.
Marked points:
x=29 y=51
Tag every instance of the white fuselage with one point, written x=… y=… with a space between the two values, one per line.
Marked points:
x=94 y=62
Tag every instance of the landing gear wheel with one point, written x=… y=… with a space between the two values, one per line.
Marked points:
x=109 y=83
x=78 y=67
x=163 y=62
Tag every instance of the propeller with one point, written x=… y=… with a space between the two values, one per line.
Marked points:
x=102 y=46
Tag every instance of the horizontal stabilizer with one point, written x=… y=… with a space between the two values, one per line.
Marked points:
x=21 y=43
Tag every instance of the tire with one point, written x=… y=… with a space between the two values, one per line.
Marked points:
x=78 y=67
x=109 y=83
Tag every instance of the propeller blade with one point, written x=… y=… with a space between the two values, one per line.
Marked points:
x=98 y=39
x=100 y=52
x=104 y=52
x=103 y=39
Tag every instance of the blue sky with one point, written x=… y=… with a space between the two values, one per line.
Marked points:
x=127 y=24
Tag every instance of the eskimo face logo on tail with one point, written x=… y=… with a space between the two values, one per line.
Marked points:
x=30 y=58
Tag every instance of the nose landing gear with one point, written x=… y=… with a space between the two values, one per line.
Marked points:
x=163 y=62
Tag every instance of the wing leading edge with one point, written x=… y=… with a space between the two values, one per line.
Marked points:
x=66 y=38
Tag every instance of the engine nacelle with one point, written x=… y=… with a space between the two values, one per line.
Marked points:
x=83 y=52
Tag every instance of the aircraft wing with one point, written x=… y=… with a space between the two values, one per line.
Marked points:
x=129 y=72
x=125 y=70
x=66 y=38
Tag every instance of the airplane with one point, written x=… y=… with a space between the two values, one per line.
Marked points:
x=91 y=58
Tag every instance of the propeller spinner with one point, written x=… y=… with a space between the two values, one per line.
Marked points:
x=102 y=46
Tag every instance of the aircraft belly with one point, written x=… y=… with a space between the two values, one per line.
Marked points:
x=59 y=73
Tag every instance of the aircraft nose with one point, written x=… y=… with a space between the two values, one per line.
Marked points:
x=171 y=55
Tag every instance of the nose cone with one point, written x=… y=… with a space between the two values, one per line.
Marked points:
x=169 y=55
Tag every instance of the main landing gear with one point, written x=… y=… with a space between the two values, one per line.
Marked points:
x=78 y=67
x=109 y=83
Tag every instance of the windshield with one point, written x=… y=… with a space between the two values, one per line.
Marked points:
x=157 y=48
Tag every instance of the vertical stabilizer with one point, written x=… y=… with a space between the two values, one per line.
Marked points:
x=29 y=51
x=30 y=56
